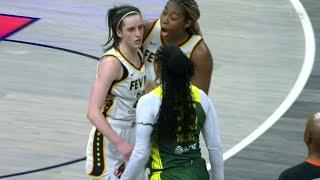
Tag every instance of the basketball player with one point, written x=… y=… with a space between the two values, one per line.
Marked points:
x=178 y=26
x=119 y=84
x=169 y=121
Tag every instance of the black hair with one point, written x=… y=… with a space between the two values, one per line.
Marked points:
x=177 y=112
x=115 y=18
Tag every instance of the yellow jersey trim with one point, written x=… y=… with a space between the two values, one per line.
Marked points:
x=195 y=92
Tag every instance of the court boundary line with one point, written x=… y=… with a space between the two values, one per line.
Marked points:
x=42 y=169
x=295 y=91
x=54 y=47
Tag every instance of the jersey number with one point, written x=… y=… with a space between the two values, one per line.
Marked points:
x=138 y=97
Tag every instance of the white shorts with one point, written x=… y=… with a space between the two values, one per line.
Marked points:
x=104 y=162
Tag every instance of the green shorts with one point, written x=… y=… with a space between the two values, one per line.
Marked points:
x=191 y=171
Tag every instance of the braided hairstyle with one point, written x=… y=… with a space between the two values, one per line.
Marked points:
x=115 y=17
x=192 y=12
x=177 y=111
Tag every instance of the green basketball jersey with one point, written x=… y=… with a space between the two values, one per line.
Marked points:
x=177 y=152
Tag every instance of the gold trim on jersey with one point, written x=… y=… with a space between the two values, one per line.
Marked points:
x=125 y=70
x=124 y=57
x=106 y=109
x=99 y=163
x=194 y=47
x=109 y=102
x=151 y=31
x=105 y=55
x=115 y=84
x=190 y=39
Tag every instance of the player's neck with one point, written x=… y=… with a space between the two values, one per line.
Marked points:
x=129 y=52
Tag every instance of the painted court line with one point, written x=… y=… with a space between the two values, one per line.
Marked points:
x=295 y=91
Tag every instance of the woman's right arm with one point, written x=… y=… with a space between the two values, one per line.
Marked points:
x=212 y=138
x=109 y=70
x=147 y=24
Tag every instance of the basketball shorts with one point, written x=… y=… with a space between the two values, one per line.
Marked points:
x=104 y=162
x=194 y=170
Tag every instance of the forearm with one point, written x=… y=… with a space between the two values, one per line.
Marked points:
x=213 y=141
x=145 y=120
x=100 y=122
x=136 y=165
x=216 y=162
x=140 y=154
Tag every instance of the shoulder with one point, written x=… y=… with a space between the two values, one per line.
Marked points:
x=295 y=172
x=201 y=52
x=148 y=108
x=109 y=66
x=148 y=99
x=150 y=102
x=148 y=25
x=109 y=61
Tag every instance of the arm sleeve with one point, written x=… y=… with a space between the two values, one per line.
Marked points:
x=213 y=141
x=145 y=116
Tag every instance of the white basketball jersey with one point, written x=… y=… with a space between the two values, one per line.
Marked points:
x=153 y=41
x=124 y=94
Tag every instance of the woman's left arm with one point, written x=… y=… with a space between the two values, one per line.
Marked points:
x=141 y=152
x=212 y=138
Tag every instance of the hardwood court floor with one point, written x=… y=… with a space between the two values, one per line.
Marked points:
x=258 y=47
x=282 y=145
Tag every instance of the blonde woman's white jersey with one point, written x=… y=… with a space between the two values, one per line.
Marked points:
x=153 y=41
x=124 y=94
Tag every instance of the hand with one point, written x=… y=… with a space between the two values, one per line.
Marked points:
x=125 y=149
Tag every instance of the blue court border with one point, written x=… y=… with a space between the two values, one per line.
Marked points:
x=64 y=163
x=33 y=19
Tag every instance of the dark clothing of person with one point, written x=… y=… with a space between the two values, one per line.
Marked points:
x=308 y=170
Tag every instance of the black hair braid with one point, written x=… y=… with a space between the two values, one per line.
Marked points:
x=177 y=112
